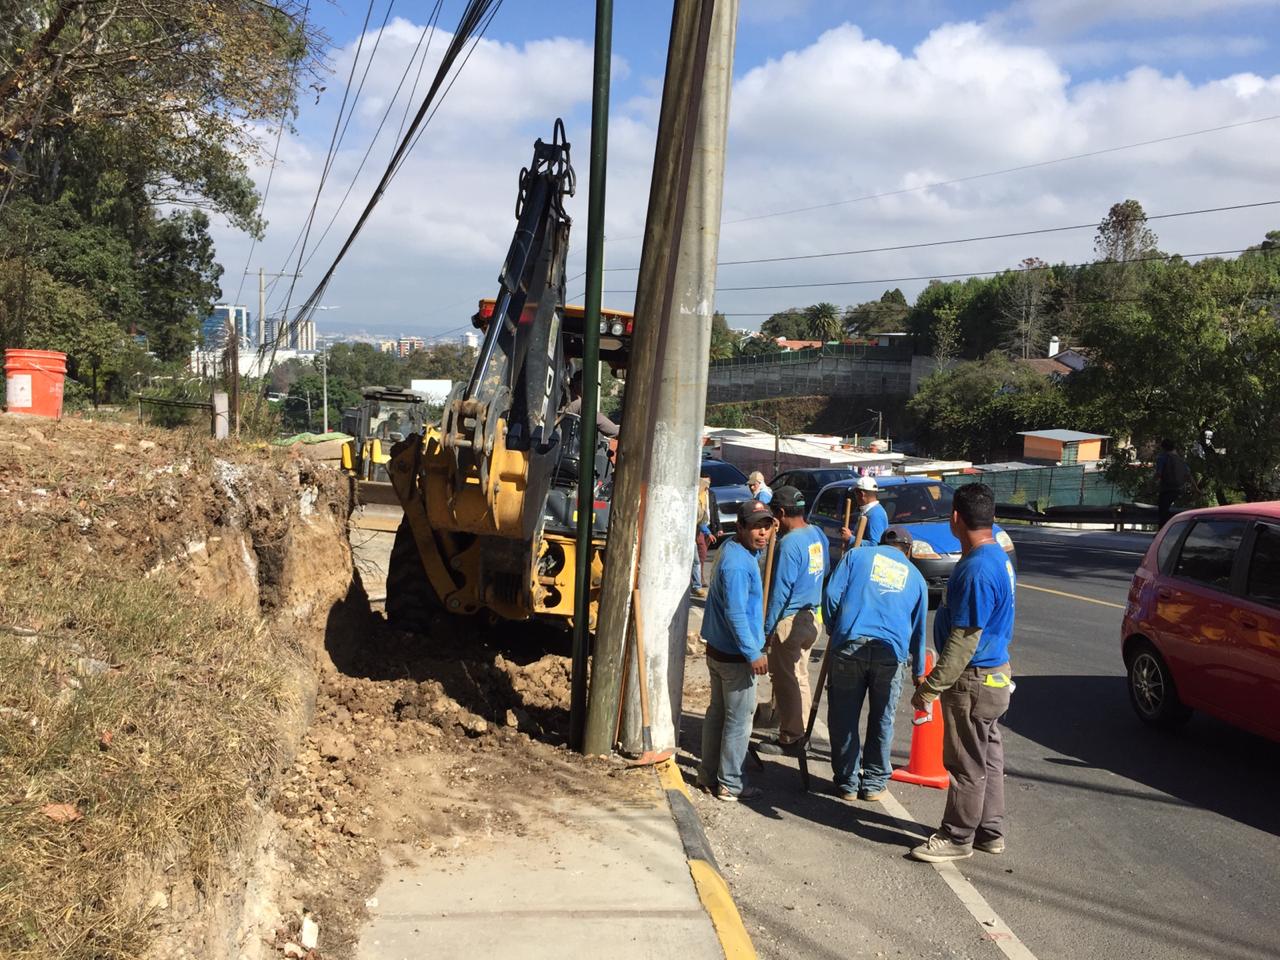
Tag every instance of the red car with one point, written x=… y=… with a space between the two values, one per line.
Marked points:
x=1202 y=626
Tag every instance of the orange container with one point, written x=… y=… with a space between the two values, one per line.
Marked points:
x=33 y=382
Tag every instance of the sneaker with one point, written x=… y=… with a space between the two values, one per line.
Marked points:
x=873 y=796
x=992 y=845
x=747 y=793
x=848 y=796
x=940 y=849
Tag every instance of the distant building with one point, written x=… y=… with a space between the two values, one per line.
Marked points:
x=387 y=346
x=408 y=345
x=216 y=327
x=472 y=339
x=1062 y=447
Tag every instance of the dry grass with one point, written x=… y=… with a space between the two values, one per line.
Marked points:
x=160 y=755
x=146 y=715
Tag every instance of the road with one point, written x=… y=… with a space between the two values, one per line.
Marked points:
x=1124 y=841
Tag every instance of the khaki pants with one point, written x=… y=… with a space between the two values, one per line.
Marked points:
x=973 y=753
x=789 y=650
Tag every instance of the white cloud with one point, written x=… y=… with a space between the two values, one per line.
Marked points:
x=1055 y=18
x=843 y=117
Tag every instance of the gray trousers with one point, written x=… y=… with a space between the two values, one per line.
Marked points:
x=973 y=753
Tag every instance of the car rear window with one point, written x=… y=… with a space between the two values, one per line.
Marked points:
x=829 y=503
x=1264 y=566
x=1209 y=552
x=722 y=474
x=1164 y=555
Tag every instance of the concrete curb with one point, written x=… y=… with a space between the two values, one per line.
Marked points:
x=712 y=889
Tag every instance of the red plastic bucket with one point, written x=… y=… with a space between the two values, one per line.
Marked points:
x=33 y=382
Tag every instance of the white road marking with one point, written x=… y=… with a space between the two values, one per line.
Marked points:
x=996 y=930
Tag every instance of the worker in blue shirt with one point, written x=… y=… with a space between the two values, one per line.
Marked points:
x=733 y=628
x=867 y=494
x=972 y=631
x=875 y=611
x=791 y=618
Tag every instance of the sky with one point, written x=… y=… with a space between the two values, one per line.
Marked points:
x=876 y=121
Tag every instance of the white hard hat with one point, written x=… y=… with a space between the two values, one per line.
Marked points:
x=868 y=484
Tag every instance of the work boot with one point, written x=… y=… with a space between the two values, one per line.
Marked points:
x=774 y=747
x=992 y=845
x=873 y=796
x=747 y=793
x=941 y=849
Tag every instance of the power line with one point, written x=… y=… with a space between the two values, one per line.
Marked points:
x=477 y=15
x=428 y=29
x=967 y=273
x=990 y=236
x=987 y=174
x=275 y=153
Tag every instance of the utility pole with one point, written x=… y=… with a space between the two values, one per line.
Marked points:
x=233 y=363
x=777 y=437
x=325 y=375
x=590 y=373
x=879 y=422
x=652 y=523
x=262 y=306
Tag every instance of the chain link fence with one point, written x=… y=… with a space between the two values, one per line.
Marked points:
x=1044 y=487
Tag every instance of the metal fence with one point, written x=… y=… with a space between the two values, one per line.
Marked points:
x=1046 y=487
x=858 y=351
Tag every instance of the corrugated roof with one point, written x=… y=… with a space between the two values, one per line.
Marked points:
x=1062 y=436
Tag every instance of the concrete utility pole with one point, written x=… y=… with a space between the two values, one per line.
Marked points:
x=651 y=534
x=262 y=306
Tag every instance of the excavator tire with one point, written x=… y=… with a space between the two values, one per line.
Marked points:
x=412 y=603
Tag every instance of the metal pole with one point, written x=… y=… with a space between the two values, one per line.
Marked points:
x=325 y=368
x=235 y=371
x=590 y=373
x=262 y=306
x=657 y=265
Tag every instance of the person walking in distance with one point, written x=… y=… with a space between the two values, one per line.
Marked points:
x=1173 y=476
x=703 y=537
x=875 y=609
x=791 y=619
x=759 y=489
x=867 y=494
x=734 y=633
x=972 y=631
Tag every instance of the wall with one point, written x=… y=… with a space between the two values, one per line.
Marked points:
x=1038 y=448
x=823 y=375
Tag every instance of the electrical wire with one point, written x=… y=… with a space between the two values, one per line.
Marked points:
x=476 y=17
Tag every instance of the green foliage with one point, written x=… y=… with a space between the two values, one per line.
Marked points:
x=975 y=410
x=724 y=343
x=823 y=322
x=887 y=315
x=790 y=324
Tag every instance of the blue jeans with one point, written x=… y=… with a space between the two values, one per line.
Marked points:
x=866 y=667
x=726 y=730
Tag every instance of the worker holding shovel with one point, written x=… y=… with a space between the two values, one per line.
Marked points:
x=875 y=610
x=734 y=633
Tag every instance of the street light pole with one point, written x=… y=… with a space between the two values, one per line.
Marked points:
x=777 y=437
x=879 y=422
x=325 y=371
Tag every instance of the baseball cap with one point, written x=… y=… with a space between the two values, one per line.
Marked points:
x=755 y=477
x=897 y=537
x=753 y=512
x=868 y=484
x=788 y=497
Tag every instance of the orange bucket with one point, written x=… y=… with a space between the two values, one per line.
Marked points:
x=33 y=382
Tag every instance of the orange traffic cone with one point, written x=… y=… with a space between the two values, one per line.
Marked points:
x=924 y=766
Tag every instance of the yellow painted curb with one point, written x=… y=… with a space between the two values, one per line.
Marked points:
x=712 y=889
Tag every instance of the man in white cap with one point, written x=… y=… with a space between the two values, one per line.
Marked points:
x=866 y=494
x=759 y=489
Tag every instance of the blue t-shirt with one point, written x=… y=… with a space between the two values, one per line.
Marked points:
x=732 y=621
x=798 y=571
x=765 y=493
x=980 y=594
x=878 y=593
x=877 y=524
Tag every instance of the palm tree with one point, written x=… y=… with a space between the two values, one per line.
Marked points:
x=824 y=322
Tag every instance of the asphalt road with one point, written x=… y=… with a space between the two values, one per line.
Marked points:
x=1124 y=841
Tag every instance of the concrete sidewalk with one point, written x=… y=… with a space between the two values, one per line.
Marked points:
x=614 y=882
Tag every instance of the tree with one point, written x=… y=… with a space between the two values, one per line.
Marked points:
x=790 y=324
x=443 y=361
x=1123 y=233
x=946 y=335
x=723 y=341
x=886 y=315
x=1023 y=307
x=178 y=276
x=823 y=322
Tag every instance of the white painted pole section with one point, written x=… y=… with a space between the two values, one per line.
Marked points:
x=671 y=510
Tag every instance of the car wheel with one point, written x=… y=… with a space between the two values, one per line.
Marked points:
x=1151 y=688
